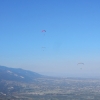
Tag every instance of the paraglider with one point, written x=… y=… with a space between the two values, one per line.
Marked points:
x=44 y=34
x=44 y=31
x=80 y=65
x=43 y=48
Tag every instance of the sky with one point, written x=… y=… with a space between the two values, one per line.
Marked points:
x=72 y=36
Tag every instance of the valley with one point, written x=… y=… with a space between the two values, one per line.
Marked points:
x=52 y=89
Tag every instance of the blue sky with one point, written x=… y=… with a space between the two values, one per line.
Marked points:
x=72 y=36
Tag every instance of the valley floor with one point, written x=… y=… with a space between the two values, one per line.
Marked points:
x=51 y=89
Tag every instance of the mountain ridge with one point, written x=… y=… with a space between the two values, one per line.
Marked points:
x=17 y=74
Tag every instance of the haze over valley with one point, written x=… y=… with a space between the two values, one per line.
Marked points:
x=20 y=84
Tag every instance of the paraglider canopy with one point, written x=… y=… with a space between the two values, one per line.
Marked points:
x=43 y=47
x=80 y=63
x=43 y=30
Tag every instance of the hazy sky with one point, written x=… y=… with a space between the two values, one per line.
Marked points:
x=72 y=36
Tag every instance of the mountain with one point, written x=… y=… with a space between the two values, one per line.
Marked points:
x=17 y=74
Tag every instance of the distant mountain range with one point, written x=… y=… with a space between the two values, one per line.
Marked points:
x=17 y=74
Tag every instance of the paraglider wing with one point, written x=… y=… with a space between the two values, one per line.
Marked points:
x=43 y=47
x=43 y=30
x=80 y=63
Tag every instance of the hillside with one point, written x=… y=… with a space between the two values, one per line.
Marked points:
x=17 y=74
